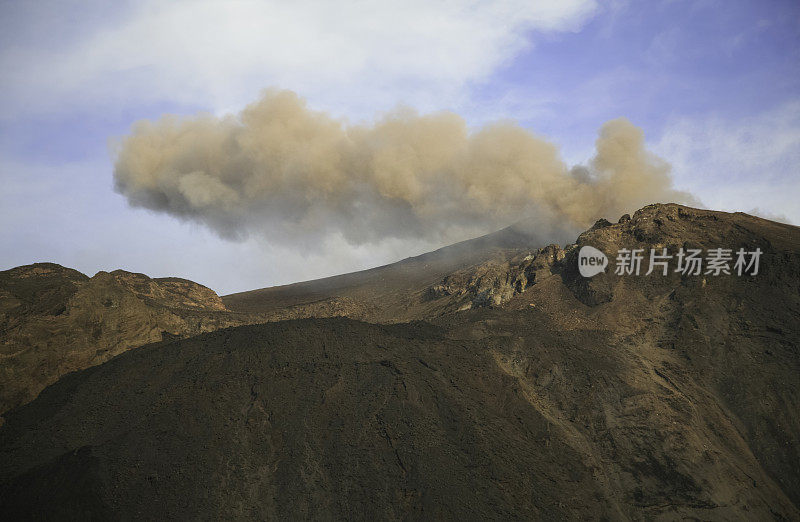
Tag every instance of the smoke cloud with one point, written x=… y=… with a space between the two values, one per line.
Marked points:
x=295 y=175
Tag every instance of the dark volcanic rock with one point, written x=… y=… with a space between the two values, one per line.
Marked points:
x=328 y=418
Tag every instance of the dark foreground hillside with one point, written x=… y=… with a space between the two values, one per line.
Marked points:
x=334 y=418
x=309 y=418
x=528 y=393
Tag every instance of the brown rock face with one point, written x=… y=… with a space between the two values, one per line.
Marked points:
x=54 y=320
x=675 y=227
x=496 y=281
x=165 y=292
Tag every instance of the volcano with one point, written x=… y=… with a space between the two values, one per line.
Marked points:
x=486 y=380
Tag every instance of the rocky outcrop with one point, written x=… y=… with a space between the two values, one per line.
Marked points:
x=677 y=227
x=495 y=282
x=54 y=320
x=168 y=292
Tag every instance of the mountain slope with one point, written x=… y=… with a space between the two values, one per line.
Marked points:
x=54 y=320
x=389 y=293
x=548 y=395
x=341 y=419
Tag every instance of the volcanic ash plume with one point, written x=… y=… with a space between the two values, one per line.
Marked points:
x=289 y=173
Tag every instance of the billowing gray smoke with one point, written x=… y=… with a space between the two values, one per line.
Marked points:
x=289 y=173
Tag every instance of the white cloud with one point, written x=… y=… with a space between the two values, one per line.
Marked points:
x=219 y=54
x=741 y=165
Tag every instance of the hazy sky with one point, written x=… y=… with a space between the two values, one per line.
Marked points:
x=714 y=84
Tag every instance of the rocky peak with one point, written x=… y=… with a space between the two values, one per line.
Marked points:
x=40 y=288
x=171 y=292
x=673 y=227
x=54 y=320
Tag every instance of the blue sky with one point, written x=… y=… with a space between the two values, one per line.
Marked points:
x=715 y=85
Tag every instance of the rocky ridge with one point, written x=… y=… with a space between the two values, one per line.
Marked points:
x=55 y=320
